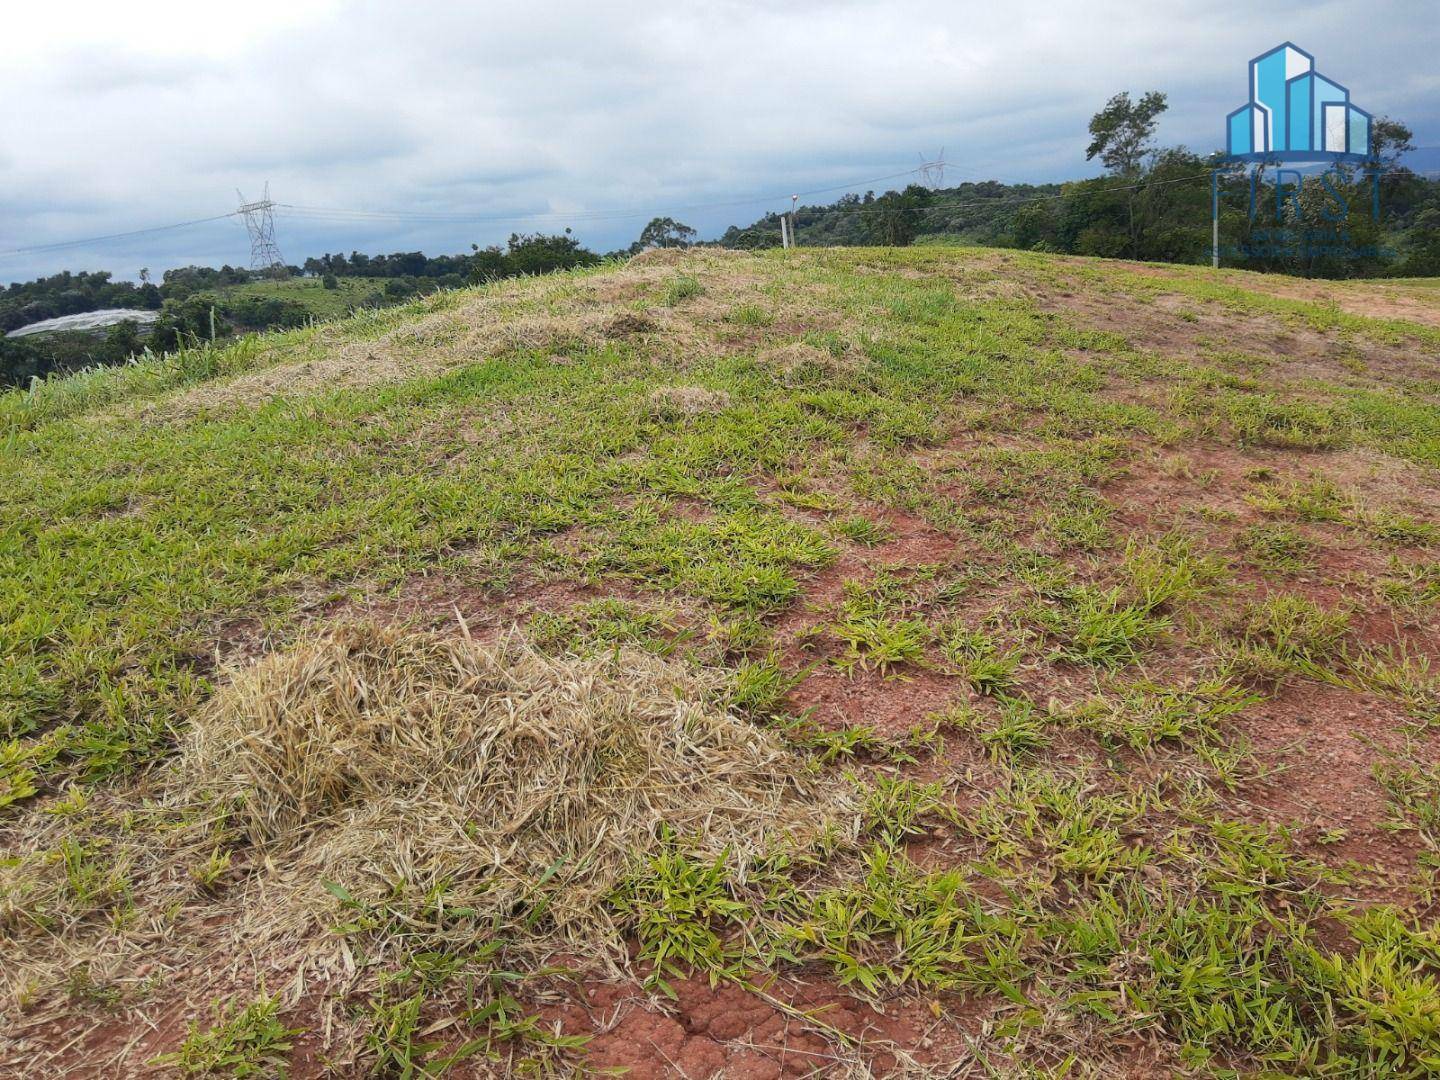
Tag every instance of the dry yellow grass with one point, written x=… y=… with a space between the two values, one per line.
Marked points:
x=455 y=790
x=678 y=401
x=796 y=360
x=558 y=312
x=396 y=763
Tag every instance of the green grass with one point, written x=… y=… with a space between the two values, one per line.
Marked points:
x=349 y=293
x=1175 y=933
x=1279 y=548
x=1285 y=632
x=251 y=1041
x=605 y=624
x=980 y=659
x=959 y=486
x=1099 y=627
x=681 y=288
x=1143 y=715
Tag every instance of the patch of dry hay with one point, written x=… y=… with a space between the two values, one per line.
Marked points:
x=658 y=256
x=799 y=362
x=461 y=792
x=624 y=324
x=559 y=312
x=674 y=402
x=407 y=766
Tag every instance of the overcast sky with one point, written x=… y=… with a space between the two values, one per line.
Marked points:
x=117 y=117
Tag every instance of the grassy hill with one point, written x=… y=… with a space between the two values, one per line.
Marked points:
x=848 y=661
x=349 y=293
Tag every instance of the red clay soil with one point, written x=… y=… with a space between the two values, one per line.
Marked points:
x=759 y=1033
x=1325 y=742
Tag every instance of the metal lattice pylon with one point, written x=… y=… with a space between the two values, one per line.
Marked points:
x=932 y=171
x=260 y=224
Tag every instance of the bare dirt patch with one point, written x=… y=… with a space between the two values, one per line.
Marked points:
x=1325 y=742
x=1178 y=326
x=790 y=1028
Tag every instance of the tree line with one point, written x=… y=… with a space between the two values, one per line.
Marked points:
x=525 y=254
x=1154 y=204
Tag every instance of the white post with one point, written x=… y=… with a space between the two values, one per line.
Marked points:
x=1215 y=219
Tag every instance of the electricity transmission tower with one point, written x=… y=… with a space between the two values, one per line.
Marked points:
x=260 y=224
x=932 y=172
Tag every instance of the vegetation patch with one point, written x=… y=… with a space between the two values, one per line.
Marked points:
x=367 y=759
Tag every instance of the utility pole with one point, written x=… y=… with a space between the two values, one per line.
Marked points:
x=260 y=224
x=1215 y=219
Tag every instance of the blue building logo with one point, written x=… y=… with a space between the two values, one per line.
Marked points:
x=1296 y=114
x=1297 y=117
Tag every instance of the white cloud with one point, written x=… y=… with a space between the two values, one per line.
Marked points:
x=116 y=117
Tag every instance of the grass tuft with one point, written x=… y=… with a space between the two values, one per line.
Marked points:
x=246 y=1042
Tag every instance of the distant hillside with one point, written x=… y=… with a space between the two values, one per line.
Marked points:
x=200 y=302
x=975 y=213
x=319 y=300
x=1160 y=214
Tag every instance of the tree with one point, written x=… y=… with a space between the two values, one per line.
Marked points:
x=1390 y=140
x=663 y=232
x=187 y=322
x=1033 y=226
x=1120 y=133
x=330 y=281
x=1423 y=257
x=487 y=264
x=122 y=341
x=540 y=254
x=893 y=219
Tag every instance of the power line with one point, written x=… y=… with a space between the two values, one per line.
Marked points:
x=613 y=213
x=926 y=169
x=1015 y=201
x=342 y=214
x=932 y=172
x=117 y=236
x=1026 y=199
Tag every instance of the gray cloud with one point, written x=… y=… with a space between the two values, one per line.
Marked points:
x=113 y=122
